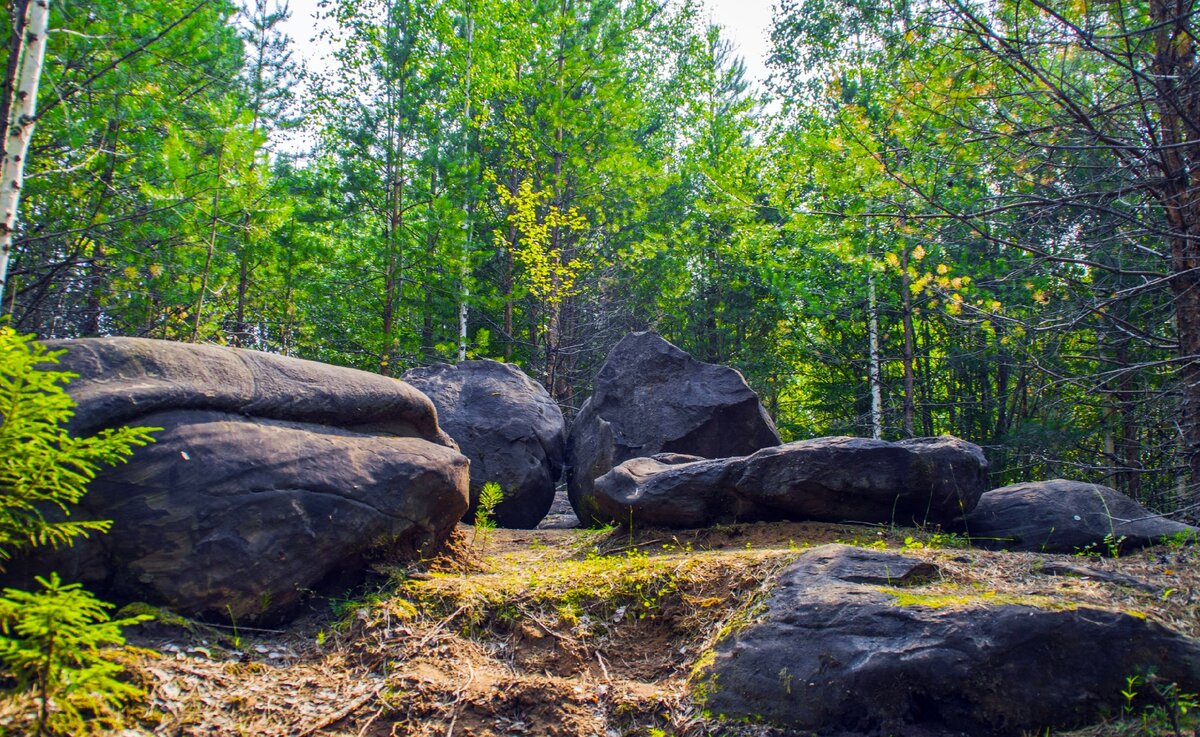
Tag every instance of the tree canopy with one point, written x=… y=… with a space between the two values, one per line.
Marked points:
x=941 y=216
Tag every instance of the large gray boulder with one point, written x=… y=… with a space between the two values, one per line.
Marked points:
x=922 y=481
x=1063 y=516
x=508 y=426
x=272 y=476
x=651 y=397
x=852 y=642
x=226 y=516
x=122 y=379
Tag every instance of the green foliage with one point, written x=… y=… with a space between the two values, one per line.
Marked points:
x=935 y=540
x=944 y=596
x=43 y=467
x=549 y=276
x=588 y=595
x=1110 y=546
x=1152 y=706
x=53 y=641
x=600 y=166
x=490 y=497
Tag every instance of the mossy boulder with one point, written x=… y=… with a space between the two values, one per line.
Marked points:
x=851 y=643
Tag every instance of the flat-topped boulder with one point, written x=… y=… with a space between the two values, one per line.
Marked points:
x=1063 y=516
x=122 y=379
x=837 y=479
x=651 y=397
x=271 y=477
x=862 y=641
x=509 y=427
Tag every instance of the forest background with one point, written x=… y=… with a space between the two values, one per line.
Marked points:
x=942 y=216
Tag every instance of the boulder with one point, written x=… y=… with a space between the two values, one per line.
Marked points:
x=852 y=642
x=122 y=379
x=228 y=517
x=508 y=426
x=920 y=481
x=651 y=397
x=271 y=477
x=1062 y=516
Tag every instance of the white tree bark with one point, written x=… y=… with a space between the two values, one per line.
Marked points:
x=465 y=273
x=19 y=127
x=873 y=369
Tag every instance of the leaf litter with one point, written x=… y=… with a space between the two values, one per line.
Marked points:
x=563 y=633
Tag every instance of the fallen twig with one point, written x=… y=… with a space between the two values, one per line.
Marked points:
x=439 y=626
x=603 y=667
x=340 y=714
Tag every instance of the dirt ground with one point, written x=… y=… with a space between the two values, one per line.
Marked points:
x=555 y=633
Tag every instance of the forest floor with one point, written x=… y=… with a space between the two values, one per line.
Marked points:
x=561 y=633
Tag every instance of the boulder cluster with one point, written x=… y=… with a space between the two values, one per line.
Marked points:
x=273 y=477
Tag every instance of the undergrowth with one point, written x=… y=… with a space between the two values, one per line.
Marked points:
x=588 y=596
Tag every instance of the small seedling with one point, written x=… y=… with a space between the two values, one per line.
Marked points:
x=490 y=497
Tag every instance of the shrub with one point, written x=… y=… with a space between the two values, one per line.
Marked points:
x=42 y=467
x=53 y=639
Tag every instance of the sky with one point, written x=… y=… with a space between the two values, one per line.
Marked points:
x=746 y=23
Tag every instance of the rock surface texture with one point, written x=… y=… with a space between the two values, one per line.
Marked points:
x=508 y=426
x=271 y=477
x=919 y=481
x=651 y=397
x=842 y=648
x=1062 y=516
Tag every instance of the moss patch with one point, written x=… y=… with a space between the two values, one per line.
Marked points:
x=952 y=596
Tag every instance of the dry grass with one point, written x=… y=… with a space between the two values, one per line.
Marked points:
x=568 y=633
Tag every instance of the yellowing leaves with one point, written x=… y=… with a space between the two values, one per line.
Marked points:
x=550 y=276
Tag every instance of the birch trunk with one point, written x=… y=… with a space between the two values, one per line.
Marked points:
x=873 y=369
x=19 y=126
x=465 y=272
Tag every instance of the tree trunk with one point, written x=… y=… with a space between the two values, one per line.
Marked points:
x=909 y=340
x=1178 y=101
x=97 y=268
x=240 y=328
x=1000 y=427
x=465 y=270
x=927 y=384
x=19 y=124
x=874 y=359
x=16 y=44
x=212 y=246
x=554 y=307
x=394 y=216
x=509 y=338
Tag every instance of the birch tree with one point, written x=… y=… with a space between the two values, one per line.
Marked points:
x=30 y=50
